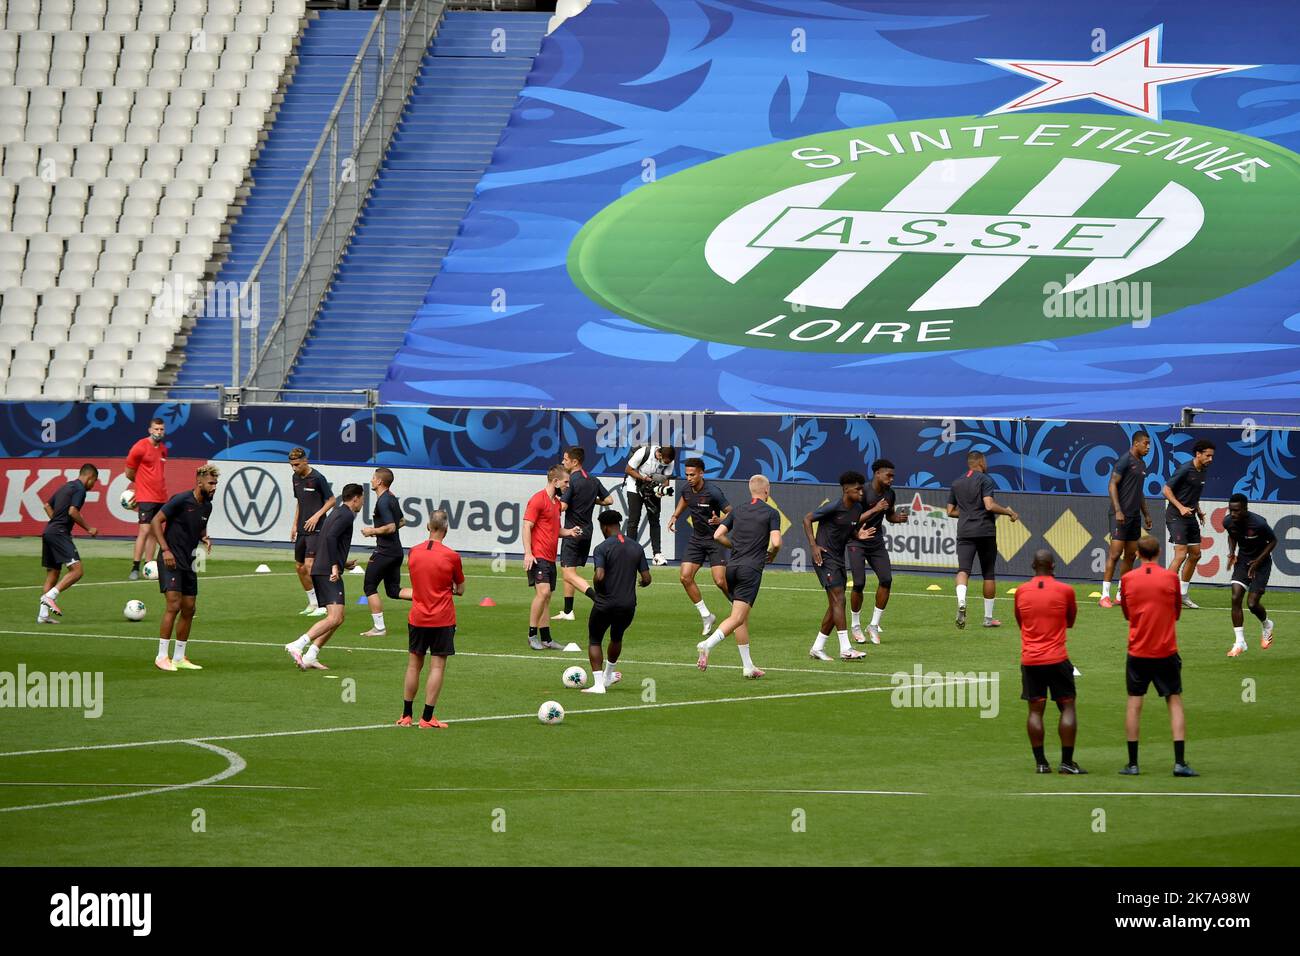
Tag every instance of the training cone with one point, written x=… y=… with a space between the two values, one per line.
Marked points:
x=1095 y=594
x=1011 y=590
x=487 y=602
x=362 y=600
x=261 y=569
x=571 y=648
x=934 y=587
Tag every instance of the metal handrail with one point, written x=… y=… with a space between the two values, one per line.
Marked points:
x=410 y=11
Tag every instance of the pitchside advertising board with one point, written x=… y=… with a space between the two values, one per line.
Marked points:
x=485 y=510
x=1075 y=528
x=30 y=482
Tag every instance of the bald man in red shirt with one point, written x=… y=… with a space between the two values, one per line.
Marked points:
x=436 y=579
x=1045 y=609
x=1152 y=599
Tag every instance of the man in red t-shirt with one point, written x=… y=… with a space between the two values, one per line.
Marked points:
x=542 y=534
x=1045 y=609
x=1152 y=600
x=144 y=465
x=436 y=576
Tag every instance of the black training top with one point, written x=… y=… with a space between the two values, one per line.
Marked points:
x=388 y=511
x=702 y=505
x=1251 y=539
x=1132 y=473
x=186 y=527
x=1187 y=484
x=335 y=541
x=71 y=495
x=623 y=560
x=968 y=494
x=750 y=527
x=311 y=493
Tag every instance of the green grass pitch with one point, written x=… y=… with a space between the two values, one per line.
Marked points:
x=811 y=765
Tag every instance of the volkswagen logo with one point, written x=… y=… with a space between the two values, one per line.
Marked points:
x=252 y=500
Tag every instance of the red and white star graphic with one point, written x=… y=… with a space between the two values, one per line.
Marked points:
x=1127 y=78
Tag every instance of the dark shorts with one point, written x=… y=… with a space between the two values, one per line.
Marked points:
x=58 y=550
x=831 y=573
x=1184 y=530
x=148 y=509
x=1259 y=583
x=304 y=546
x=1037 y=679
x=616 y=620
x=542 y=572
x=877 y=558
x=177 y=579
x=575 y=551
x=1165 y=672
x=1130 y=529
x=743 y=583
x=986 y=549
x=327 y=591
x=705 y=551
x=384 y=569
x=438 y=641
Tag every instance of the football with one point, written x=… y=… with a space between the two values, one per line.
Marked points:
x=134 y=610
x=151 y=570
x=128 y=499
x=575 y=677
x=550 y=712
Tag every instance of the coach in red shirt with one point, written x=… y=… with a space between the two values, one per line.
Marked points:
x=1152 y=600
x=436 y=577
x=144 y=465
x=542 y=534
x=1045 y=609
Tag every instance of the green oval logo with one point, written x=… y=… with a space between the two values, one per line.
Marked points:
x=964 y=232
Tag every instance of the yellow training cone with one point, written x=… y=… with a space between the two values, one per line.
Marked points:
x=1095 y=594
x=1011 y=590
x=934 y=587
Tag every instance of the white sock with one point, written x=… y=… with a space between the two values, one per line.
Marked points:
x=844 y=640
x=1182 y=586
x=820 y=643
x=43 y=613
x=1240 y=634
x=180 y=652
x=714 y=639
x=598 y=680
x=988 y=607
x=300 y=645
x=52 y=593
x=164 y=643
x=875 y=616
x=1118 y=587
x=312 y=651
x=744 y=656
x=1105 y=589
x=702 y=608
x=311 y=598
x=609 y=670
x=961 y=595
x=379 y=620
x=857 y=620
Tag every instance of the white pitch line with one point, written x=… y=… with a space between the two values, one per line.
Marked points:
x=213 y=786
x=460 y=720
x=234 y=764
x=1152 y=793
x=103 y=584
x=686 y=790
x=53 y=631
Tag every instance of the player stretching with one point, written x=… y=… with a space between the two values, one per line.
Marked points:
x=707 y=505
x=57 y=547
x=1183 y=492
x=878 y=507
x=1045 y=609
x=971 y=503
x=385 y=564
x=1151 y=602
x=542 y=532
x=619 y=562
x=327 y=579
x=580 y=499
x=145 y=463
x=1127 y=480
x=436 y=576
x=837 y=521
x=180 y=526
x=753 y=533
x=312 y=499
x=1250 y=547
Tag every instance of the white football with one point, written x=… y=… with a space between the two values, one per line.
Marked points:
x=151 y=570
x=550 y=712
x=128 y=499
x=575 y=677
x=134 y=610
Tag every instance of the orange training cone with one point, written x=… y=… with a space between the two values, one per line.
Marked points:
x=487 y=602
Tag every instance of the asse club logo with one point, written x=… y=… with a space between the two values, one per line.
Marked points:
x=940 y=234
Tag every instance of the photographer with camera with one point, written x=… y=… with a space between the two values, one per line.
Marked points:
x=649 y=480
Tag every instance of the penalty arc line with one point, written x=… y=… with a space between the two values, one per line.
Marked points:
x=234 y=764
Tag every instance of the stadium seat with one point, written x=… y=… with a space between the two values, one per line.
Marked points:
x=23 y=388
